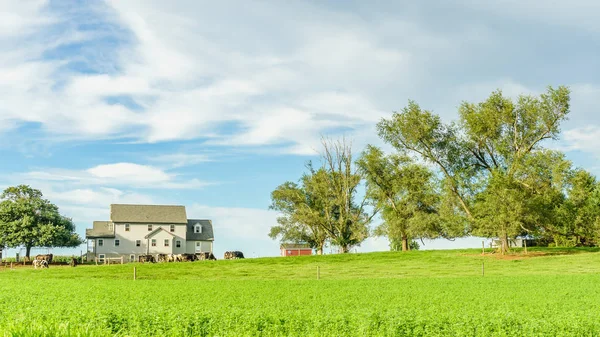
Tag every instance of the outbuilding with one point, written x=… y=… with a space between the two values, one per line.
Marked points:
x=295 y=249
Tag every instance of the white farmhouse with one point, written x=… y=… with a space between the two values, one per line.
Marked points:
x=135 y=230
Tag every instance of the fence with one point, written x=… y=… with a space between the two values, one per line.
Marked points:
x=106 y=260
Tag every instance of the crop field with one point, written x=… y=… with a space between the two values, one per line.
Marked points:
x=548 y=292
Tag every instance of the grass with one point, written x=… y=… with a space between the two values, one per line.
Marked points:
x=429 y=293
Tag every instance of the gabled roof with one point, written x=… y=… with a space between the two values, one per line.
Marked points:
x=207 y=230
x=152 y=214
x=295 y=246
x=151 y=234
x=101 y=229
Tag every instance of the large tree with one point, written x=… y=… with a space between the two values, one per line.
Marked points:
x=406 y=195
x=303 y=218
x=323 y=206
x=29 y=220
x=350 y=224
x=481 y=155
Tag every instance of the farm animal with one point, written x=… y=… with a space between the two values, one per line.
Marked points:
x=234 y=255
x=40 y=263
x=205 y=256
x=162 y=257
x=73 y=262
x=188 y=257
x=44 y=257
x=146 y=258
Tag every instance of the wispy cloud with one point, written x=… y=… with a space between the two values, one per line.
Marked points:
x=118 y=174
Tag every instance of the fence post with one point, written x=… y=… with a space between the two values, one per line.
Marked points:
x=482 y=247
x=525 y=241
x=121 y=259
x=134 y=273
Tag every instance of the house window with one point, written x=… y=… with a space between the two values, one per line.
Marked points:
x=100 y=242
x=198 y=247
x=197 y=228
x=172 y=228
x=166 y=242
x=127 y=227
x=149 y=228
x=153 y=242
x=178 y=244
x=138 y=243
x=132 y=258
x=117 y=242
x=101 y=257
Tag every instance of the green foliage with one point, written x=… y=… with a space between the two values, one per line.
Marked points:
x=406 y=195
x=29 y=220
x=302 y=208
x=492 y=160
x=322 y=206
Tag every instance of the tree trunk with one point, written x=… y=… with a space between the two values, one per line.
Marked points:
x=27 y=252
x=320 y=250
x=504 y=243
x=345 y=249
x=405 y=247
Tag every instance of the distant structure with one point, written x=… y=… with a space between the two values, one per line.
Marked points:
x=135 y=230
x=295 y=249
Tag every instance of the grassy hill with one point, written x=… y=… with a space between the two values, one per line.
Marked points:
x=424 y=293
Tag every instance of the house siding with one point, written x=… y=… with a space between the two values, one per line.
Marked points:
x=138 y=232
x=114 y=229
x=206 y=246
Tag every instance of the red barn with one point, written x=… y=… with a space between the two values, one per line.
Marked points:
x=295 y=249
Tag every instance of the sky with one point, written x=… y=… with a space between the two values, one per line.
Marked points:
x=212 y=105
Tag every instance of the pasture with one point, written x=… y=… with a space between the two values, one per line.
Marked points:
x=430 y=293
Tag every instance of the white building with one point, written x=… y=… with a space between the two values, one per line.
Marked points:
x=135 y=230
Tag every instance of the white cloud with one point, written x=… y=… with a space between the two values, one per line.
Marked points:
x=130 y=172
x=582 y=139
x=176 y=160
x=118 y=174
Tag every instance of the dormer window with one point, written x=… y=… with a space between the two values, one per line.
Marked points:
x=149 y=228
x=197 y=228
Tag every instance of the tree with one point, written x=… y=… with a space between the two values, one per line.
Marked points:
x=406 y=195
x=29 y=220
x=323 y=207
x=303 y=218
x=481 y=155
x=580 y=213
x=350 y=221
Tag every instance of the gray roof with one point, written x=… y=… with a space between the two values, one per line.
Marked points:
x=101 y=229
x=207 y=230
x=151 y=214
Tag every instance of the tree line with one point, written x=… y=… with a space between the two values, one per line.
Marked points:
x=490 y=173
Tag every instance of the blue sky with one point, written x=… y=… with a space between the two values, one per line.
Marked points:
x=213 y=104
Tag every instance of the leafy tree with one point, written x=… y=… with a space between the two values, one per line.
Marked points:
x=481 y=155
x=322 y=207
x=406 y=195
x=580 y=213
x=350 y=221
x=302 y=206
x=27 y=219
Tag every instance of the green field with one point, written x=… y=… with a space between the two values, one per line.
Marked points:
x=549 y=292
